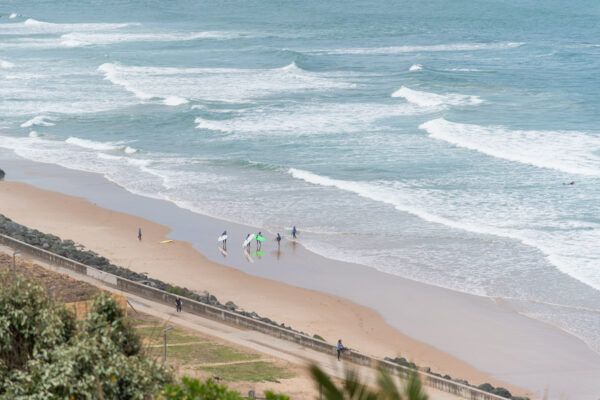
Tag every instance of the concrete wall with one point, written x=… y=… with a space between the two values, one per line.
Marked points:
x=233 y=318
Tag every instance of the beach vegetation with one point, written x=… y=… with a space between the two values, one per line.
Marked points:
x=354 y=388
x=46 y=353
x=318 y=337
x=193 y=389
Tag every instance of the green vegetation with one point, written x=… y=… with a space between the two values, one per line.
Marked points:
x=46 y=354
x=353 y=388
x=204 y=353
x=256 y=371
x=192 y=389
x=155 y=335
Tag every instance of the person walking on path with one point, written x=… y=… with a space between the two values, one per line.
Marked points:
x=140 y=234
x=178 y=304
x=294 y=231
x=340 y=348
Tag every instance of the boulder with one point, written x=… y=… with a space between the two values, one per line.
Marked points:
x=502 y=392
x=486 y=387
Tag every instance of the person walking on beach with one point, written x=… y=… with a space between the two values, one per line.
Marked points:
x=258 y=241
x=224 y=240
x=278 y=238
x=140 y=234
x=248 y=244
x=340 y=348
x=178 y=304
x=294 y=231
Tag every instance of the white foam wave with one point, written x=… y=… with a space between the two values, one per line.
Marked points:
x=6 y=64
x=567 y=151
x=314 y=119
x=572 y=252
x=79 y=39
x=424 y=48
x=415 y=67
x=426 y=99
x=91 y=144
x=32 y=26
x=172 y=85
x=40 y=120
x=13 y=16
x=129 y=150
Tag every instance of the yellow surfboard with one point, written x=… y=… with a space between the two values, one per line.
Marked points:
x=167 y=241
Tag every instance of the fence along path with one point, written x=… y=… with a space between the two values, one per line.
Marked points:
x=233 y=318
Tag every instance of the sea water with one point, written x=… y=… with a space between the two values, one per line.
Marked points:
x=432 y=140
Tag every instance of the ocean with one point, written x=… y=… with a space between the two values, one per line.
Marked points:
x=432 y=140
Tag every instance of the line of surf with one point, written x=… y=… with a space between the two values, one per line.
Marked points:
x=393 y=197
x=421 y=48
x=427 y=99
x=571 y=152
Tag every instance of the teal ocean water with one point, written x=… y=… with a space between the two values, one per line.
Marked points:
x=430 y=140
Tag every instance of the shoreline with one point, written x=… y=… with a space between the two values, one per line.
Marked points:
x=459 y=334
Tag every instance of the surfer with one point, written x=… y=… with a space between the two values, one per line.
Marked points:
x=570 y=183
x=278 y=238
x=294 y=231
x=248 y=241
x=258 y=241
x=140 y=234
x=224 y=234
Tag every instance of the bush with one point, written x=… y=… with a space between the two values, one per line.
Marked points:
x=45 y=353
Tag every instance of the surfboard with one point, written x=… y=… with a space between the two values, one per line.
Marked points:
x=247 y=241
x=260 y=238
x=167 y=241
x=222 y=250
x=221 y=238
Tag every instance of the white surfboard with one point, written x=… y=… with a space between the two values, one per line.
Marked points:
x=221 y=238
x=247 y=241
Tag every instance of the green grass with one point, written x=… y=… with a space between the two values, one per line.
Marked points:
x=155 y=333
x=249 y=372
x=202 y=353
x=137 y=322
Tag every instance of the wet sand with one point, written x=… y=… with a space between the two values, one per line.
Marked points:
x=468 y=337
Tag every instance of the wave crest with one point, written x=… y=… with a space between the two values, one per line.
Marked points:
x=566 y=151
x=426 y=99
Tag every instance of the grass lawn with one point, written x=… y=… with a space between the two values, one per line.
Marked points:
x=249 y=372
x=155 y=334
x=202 y=353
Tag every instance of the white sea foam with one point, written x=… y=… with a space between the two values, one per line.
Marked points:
x=172 y=85
x=40 y=120
x=32 y=26
x=6 y=64
x=567 y=151
x=91 y=144
x=314 y=119
x=13 y=16
x=415 y=67
x=572 y=251
x=79 y=39
x=423 y=48
x=427 y=99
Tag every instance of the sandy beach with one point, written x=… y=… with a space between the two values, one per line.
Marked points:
x=468 y=337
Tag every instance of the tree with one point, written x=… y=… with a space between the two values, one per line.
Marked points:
x=46 y=354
